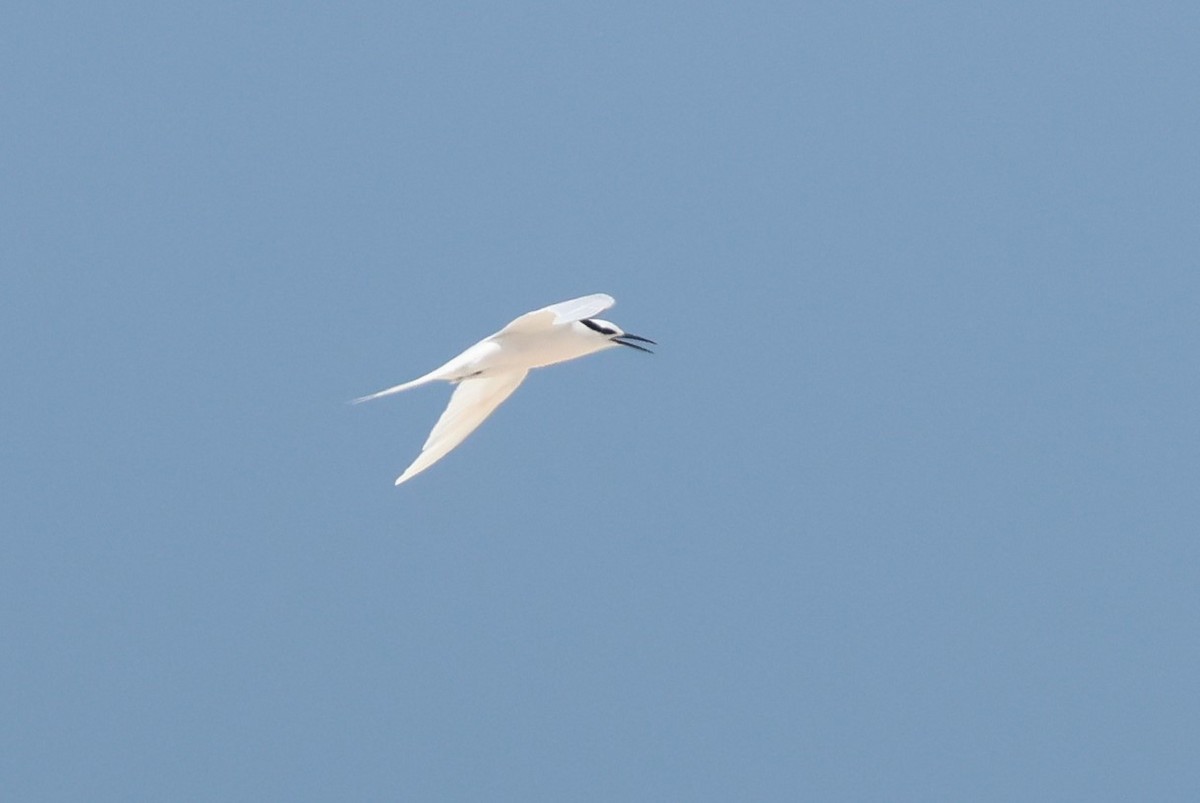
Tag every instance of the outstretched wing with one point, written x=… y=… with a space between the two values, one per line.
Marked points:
x=563 y=312
x=473 y=401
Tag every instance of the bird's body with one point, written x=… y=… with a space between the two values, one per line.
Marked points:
x=488 y=372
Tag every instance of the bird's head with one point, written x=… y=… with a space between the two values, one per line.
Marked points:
x=616 y=334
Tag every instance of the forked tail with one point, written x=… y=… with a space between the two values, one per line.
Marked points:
x=430 y=377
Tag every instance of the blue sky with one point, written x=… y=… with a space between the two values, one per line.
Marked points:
x=904 y=508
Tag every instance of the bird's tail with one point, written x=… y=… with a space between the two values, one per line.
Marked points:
x=430 y=377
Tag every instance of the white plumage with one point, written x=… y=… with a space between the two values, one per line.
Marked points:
x=488 y=372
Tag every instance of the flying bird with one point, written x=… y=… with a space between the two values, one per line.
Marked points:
x=488 y=372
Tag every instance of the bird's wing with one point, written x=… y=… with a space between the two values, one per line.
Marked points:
x=563 y=312
x=473 y=401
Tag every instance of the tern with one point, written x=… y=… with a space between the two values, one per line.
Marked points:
x=488 y=372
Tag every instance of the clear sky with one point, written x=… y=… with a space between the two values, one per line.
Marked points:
x=904 y=508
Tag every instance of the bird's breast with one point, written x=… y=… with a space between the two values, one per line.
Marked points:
x=539 y=349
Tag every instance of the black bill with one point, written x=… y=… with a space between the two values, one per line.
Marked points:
x=625 y=337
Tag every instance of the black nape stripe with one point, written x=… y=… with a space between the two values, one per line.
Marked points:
x=595 y=327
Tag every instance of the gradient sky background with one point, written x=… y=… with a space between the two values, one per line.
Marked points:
x=904 y=508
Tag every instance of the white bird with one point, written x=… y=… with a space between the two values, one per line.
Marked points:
x=488 y=372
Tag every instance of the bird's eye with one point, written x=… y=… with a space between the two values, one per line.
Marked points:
x=595 y=327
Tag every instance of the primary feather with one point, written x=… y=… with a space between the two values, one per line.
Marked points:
x=473 y=401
